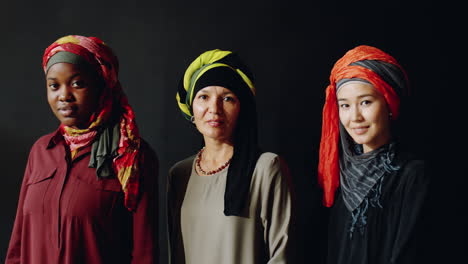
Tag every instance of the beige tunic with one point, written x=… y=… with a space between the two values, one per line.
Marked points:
x=200 y=233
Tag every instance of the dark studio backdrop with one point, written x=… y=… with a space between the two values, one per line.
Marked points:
x=290 y=46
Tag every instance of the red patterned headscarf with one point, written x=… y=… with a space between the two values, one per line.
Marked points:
x=348 y=67
x=101 y=57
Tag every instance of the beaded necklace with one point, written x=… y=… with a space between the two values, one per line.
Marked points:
x=198 y=160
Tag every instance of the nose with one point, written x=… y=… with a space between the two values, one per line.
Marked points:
x=65 y=94
x=356 y=114
x=215 y=105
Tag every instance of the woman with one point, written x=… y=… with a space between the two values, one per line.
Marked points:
x=375 y=188
x=229 y=203
x=88 y=193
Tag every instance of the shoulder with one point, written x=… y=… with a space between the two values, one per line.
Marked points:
x=147 y=150
x=414 y=165
x=414 y=169
x=409 y=159
x=270 y=165
x=268 y=159
x=180 y=172
x=412 y=173
x=148 y=162
x=182 y=167
x=411 y=163
x=43 y=142
x=271 y=174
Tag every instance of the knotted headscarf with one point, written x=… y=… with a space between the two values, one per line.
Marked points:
x=225 y=68
x=367 y=64
x=112 y=127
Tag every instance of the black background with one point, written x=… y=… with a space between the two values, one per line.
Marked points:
x=290 y=46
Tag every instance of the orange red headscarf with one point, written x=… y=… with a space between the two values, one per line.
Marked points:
x=328 y=169
x=101 y=57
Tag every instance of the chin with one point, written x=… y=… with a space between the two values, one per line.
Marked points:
x=68 y=122
x=216 y=136
x=360 y=140
x=73 y=125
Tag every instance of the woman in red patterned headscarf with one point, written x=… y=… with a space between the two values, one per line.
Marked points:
x=88 y=194
x=375 y=188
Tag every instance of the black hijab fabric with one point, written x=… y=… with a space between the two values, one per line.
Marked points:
x=246 y=150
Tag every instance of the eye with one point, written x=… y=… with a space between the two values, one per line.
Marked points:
x=366 y=102
x=229 y=99
x=203 y=97
x=78 y=84
x=53 y=86
x=344 y=105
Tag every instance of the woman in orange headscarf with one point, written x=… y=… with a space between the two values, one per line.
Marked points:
x=88 y=193
x=375 y=188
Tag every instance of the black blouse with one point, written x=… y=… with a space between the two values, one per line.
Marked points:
x=392 y=233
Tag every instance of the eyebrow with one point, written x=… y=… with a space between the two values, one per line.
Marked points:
x=366 y=95
x=223 y=94
x=71 y=77
x=359 y=97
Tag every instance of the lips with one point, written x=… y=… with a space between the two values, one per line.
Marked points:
x=360 y=130
x=66 y=111
x=215 y=122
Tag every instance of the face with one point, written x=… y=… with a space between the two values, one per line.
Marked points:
x=216 y=110
x=72 y=94
x=364 y=114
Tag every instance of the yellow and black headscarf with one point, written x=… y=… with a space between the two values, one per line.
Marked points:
x=225 y=68
x=213 y=67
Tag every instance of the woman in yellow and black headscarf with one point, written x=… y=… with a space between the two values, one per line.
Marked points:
x=229 y=203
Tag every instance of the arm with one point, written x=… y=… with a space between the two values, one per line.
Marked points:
x=276 y=211
x=13 y=255
x=170 y=215
x=173 y=234
x=177 y=182
x=409 y=232
x=145 y=224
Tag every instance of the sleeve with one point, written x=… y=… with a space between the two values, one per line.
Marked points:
x=176 y=185
x=145 y=222
x=276 y=212
x=13 y=255
x=172 y=234
x=170 y=213
x=409 y=235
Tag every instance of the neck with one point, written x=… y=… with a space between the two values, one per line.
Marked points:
x=385 y=138
x=214 y=157
x=216 y=152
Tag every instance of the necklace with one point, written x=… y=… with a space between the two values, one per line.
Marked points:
x=199 y=155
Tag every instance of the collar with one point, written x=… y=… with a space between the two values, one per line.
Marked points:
x=55 y=138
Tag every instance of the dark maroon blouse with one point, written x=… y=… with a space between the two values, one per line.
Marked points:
x=67 y=215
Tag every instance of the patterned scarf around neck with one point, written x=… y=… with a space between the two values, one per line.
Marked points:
x=360 y=172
